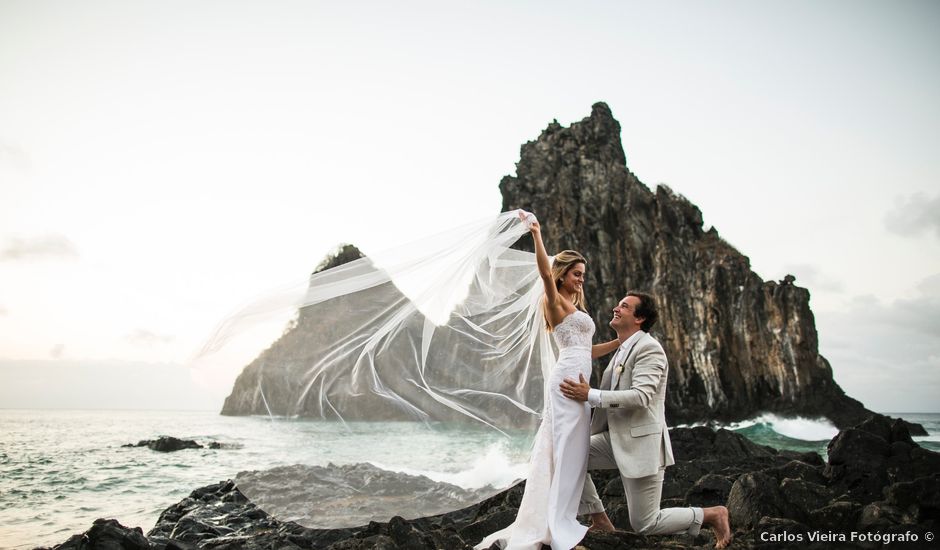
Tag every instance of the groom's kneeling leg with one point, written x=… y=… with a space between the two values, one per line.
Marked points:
x=643 y=498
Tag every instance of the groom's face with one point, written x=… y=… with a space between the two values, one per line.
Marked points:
x=624 y=318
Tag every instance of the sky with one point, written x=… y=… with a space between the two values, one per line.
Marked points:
x=162 y=163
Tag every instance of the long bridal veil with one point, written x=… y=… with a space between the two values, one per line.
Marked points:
x=443 y=334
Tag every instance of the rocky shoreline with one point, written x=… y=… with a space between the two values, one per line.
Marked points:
x=878 y=488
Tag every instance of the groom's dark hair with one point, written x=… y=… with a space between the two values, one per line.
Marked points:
x=645 y=310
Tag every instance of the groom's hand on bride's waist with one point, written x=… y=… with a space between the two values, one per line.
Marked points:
x=575 y=390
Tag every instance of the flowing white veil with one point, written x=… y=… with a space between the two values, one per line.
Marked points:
x=446 y=331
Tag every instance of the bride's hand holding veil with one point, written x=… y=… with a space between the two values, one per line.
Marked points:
x=530 y=221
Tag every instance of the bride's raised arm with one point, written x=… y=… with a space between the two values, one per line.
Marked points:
x=545 y=269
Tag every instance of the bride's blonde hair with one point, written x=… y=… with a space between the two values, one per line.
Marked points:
x=561 y=265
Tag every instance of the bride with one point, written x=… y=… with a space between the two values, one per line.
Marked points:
x=557 y=466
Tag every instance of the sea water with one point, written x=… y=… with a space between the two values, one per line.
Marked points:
x=60 y=470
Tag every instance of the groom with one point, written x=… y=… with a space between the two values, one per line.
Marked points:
x=629 y=430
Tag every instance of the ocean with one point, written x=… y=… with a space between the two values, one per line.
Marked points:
x=60 y=470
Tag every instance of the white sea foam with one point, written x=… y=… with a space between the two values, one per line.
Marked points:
x=806 y=429
x=494 y=468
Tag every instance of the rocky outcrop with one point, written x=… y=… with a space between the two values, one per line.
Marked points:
x=169 y=444
x=877 y=483
x=737 y=345
x=166 y=444
x=350 y=494
x=110 y=534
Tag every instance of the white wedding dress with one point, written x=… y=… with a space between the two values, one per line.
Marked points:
x=558 y=463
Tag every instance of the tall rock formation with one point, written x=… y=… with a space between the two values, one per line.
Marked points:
x=737 y=345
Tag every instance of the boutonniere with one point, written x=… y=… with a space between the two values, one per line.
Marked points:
x=619 y=369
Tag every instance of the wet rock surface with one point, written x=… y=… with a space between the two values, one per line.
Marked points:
x=776 y=499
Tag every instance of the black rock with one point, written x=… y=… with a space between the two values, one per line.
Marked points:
x=890 y=429
x=919 y=499
x=166 y=444
x=799 y=469
x=709 y=490
x=489 y=523
x=857 y=463
x=803 y=497
x=618 y=541
x=702 y=442
x=754 y=496
x=108 y=534
x=838 y=516
x=866 y=459
x=880 y=515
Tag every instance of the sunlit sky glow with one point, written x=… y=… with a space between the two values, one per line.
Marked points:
x=163 y=162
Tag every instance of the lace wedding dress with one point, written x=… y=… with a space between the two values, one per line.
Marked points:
x=547 y=514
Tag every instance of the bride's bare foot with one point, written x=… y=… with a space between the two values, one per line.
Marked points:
x=716 y=517
x=600 y=522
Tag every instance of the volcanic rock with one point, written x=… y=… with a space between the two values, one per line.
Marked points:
x=167 y=444
x=107 y=534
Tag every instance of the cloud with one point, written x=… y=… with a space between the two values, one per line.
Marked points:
x=921 y=314
x=887 y=354
x=14 y=156
x=915 y=215
x=930 y=286
x=52 y=246
x=809 y=276
x=57 y=351
x=145 y=338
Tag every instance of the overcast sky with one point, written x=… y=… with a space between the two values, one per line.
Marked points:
x=162 y=162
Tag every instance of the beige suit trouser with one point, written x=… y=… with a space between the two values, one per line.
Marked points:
x=643 y=496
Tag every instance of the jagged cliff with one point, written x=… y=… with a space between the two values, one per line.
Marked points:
x=737 y=345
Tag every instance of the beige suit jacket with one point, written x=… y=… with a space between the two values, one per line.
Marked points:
x=633 y=409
